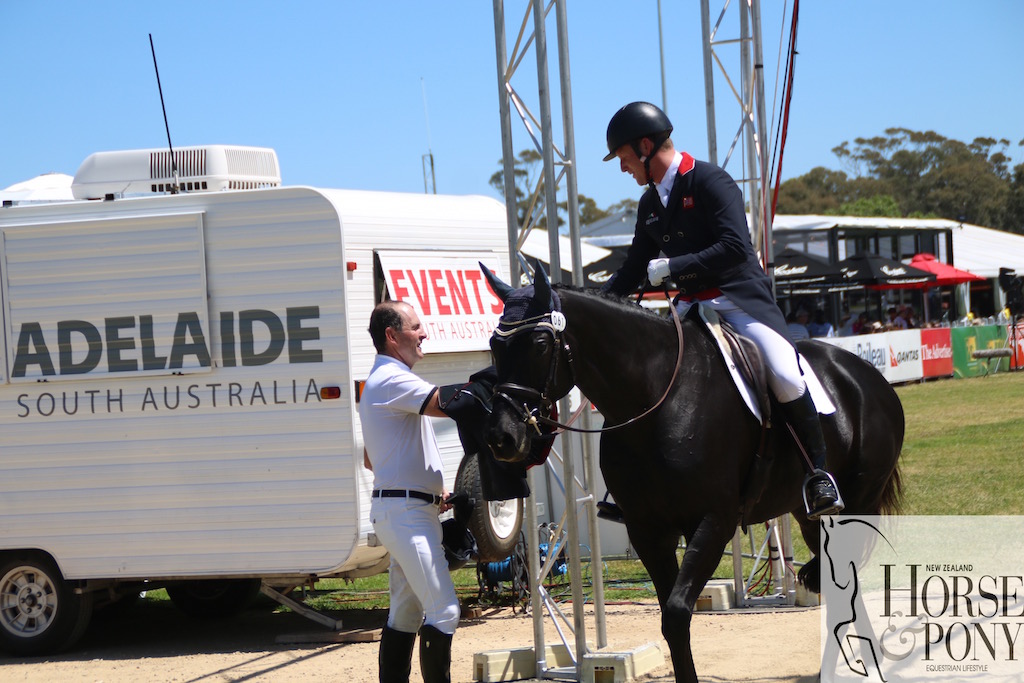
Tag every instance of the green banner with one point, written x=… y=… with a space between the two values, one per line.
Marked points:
x=967 y=340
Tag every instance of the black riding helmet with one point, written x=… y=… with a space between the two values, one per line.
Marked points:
x=634 y=122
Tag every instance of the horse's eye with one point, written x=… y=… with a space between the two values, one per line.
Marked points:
x=542 y=344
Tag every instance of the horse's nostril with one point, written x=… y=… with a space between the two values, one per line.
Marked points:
x=502 y=445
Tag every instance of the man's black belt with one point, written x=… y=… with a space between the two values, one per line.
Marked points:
x=405 y=493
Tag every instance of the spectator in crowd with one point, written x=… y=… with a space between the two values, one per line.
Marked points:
x=862 y=325
x=947 y=316
x=870 y=326
x=896 y=322
x=797 y=324
x=847 y=326
x=909 y=317
x=820 y=327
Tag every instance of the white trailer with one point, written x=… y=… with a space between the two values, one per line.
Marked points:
x=179 y=385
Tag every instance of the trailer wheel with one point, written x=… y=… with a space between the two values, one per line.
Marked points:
x=213 y=598
x=39 y=612
x=495 y=524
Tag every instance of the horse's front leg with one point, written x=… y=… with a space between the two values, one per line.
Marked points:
x=703 y=553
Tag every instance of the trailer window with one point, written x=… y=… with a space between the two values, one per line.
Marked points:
x=88 y=299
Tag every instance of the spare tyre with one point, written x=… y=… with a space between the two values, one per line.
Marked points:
x=495 y=524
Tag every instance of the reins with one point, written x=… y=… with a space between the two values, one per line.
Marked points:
x=560 y=427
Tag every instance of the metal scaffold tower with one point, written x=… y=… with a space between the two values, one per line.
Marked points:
x=751 y=134
x=559 y=171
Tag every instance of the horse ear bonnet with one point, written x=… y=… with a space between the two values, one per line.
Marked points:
x=522 y=304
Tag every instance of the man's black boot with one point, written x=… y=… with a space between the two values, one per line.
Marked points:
x=435 y=655
x=395 y=657
x=821 y=495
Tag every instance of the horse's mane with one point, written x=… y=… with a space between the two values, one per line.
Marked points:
x=624 y=304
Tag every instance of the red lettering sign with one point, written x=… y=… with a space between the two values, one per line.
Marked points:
x=936 y=352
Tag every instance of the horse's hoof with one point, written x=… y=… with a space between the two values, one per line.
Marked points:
x=809 y=576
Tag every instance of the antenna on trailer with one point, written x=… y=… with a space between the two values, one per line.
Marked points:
x=174 y=165
x=429 y=184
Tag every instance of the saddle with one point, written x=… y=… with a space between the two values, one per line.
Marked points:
x=742 y=357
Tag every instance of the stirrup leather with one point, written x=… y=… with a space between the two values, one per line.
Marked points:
x=836 y=507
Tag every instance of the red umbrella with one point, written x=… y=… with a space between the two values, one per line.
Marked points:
x=945 y=274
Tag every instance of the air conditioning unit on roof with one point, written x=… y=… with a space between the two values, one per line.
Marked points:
x=205 y=168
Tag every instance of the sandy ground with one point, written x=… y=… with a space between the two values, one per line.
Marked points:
x=155 y=642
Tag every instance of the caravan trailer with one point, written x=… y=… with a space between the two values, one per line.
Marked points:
x=180 y=377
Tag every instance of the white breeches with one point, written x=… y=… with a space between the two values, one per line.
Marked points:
x=420 y=584
x=784 y=378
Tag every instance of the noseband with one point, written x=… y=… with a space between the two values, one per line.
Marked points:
x=519 y=396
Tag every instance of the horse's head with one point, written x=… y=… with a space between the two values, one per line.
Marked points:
x=532 y=363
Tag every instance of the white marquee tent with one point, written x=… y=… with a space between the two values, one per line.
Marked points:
x=982 y=251
x=49 y=187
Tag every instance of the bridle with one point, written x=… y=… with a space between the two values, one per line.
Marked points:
x=519 y=397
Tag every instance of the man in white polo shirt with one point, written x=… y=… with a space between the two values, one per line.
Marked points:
x=408 y=494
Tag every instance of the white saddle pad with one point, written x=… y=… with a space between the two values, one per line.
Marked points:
x=821 y=400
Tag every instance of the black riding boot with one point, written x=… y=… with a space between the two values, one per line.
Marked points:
x=821 y=495
x=435 y=655
x=395 y=657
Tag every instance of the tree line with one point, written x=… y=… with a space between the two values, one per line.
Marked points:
x=912 y=174
x=901 y=174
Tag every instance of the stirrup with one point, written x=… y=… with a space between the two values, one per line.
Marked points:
x=609 y=511
x=836 y=507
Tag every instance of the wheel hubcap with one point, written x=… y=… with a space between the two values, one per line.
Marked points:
x=27 y=602
x=503 y=515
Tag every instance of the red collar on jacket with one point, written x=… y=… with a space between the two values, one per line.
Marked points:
x=687 y=164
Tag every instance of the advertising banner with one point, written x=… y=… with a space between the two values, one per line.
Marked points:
x=873 y=348
x=936 y=352
x=1015 y=335
x=914 y=599
x=450 y=294
x=904 y=362
x=967 y=340
x=897 y=355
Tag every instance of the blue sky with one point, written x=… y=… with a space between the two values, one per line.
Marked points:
x=337 y=88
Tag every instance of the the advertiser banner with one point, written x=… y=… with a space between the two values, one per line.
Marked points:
x=897 y=355
x=967 y=340
x=449 y=292
x=936 y=352
x=904 y=362
x=1015 y=335
x=874 y=348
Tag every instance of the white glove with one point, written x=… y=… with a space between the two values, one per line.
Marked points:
x=657 y=271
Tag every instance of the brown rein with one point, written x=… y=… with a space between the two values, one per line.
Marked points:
x=675 y=372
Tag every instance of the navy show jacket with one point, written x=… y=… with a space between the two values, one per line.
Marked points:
x=703 y=231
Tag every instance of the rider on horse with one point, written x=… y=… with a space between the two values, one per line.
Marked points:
x=693 y=214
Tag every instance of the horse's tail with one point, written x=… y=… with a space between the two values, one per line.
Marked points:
x=891 y=500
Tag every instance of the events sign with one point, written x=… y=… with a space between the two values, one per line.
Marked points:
x=450 y=294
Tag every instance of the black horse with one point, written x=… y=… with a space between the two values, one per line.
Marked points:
x=683 y=469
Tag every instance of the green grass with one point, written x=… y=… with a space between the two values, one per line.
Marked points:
x=963 y=453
